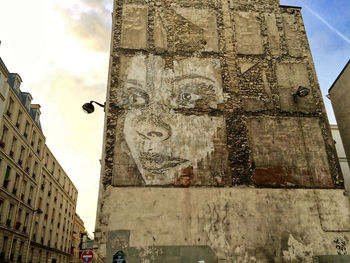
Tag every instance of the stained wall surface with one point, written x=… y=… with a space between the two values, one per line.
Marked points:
x=201 y=95
x=237 y=225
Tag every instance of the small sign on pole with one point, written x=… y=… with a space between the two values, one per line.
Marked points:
x=87 y=256
x=119 y=257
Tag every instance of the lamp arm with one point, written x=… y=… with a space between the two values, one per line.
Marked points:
x=99 y=104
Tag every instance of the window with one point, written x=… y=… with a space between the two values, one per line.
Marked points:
x=49 y=241
x=30 y=195
x=43 y=235
x=56 y=240
x=35 y=169
x=39 y=203
x=29 y=163
x=24 y=188
x=47 y=211
x=15 y=186
x=13 y=146
x=7 y=176
x=25 y=223
x=47 y=159
x=39 y=147
x=53 y=167
x=35 y=230
x=59 y=175
x=9 y=215
x=18 y=220
x=1 y=207
x=32 y=142
x=31 y=254
x=4 y=248
x=26 y=128
x=20 y=159
x=9 y=108
x=21 y=246
x=53 y=213
x=3 y=136
x=19 y=119
x=13 y=249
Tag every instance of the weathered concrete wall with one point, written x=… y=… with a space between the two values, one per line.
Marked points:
x=340 y=97
x=201 y=95
x=233 y=224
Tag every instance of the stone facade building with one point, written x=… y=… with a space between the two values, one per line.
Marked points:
x=340 y=97
x=78 y=232
x=343 y=161
x=37 y=198
x=217 y=146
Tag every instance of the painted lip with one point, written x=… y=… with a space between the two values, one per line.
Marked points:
x=158 y=163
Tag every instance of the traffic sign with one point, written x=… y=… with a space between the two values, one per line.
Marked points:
x=87 y=256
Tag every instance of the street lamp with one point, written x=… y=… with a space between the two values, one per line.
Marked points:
x=301 y=92
x=89 y=107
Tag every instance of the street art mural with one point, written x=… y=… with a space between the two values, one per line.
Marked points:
x=171 y=120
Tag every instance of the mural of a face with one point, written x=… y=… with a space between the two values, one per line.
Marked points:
x=169 y=125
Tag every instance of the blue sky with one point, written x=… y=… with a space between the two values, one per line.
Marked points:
x=330 y=49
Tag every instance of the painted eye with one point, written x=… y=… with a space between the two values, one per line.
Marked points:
x=137 y=100
x=186 y=97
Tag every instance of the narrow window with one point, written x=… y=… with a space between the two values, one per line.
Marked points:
x=13 y=146
x=20 y=159
x=19 y=119
x=32 y=142
x=9 y=108
x=26 y=128
x=7 y=176
x=3 y=136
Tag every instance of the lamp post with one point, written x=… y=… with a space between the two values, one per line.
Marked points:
x=89 y=107
x=301 y=92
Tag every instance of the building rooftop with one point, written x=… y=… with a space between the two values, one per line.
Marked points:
x=25 y=97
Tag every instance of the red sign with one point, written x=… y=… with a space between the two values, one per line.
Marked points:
x=87 y=256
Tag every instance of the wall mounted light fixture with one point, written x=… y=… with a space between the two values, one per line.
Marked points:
x=89 y=107
x=301 y=92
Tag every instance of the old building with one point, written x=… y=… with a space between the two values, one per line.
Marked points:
x=344 y=165
x=217 y=146
x=78 y=232
x=340 y=97
x=37 y=198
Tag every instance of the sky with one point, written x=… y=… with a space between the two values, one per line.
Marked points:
x=60 y=48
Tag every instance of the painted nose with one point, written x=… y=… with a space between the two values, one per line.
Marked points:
x=154 y=129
